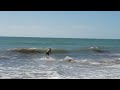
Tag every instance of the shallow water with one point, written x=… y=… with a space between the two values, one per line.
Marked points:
x=24 y=58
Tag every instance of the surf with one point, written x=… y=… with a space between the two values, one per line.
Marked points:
x=58 y=50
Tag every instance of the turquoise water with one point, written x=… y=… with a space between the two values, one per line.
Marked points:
x=24 y=57
x=69 y=46
x=57 y=42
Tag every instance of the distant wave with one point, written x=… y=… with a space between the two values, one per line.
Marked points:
x=92 y=49
x=96 y=49
x=56 y=50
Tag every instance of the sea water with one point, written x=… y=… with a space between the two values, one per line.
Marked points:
x=71 y=58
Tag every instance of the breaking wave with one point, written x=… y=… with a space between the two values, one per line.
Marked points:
x=103 y=62
x=56 y=50
x=68 y=59
x=37 y=50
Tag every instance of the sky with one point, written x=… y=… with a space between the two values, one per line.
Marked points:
x=61 y=24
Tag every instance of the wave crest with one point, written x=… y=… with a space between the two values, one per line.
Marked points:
x=96 y=49
x=57 y=50
x=37 y=50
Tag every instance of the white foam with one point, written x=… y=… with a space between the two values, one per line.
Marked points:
x=60 y=70
x=4 y=57
x=68 y=58
x=95 y=63
x=85 y=61
x=114 y=66
x=47 y=58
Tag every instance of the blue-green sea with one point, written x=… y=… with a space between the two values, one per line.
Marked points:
x=71 y=58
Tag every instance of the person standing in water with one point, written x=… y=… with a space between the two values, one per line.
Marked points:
x=48 y=52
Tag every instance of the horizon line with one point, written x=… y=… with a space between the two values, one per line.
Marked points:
x=57 y=37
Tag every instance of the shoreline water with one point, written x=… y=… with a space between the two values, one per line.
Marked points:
x=25 y=58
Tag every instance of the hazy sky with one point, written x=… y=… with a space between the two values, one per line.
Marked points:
x=67 y=24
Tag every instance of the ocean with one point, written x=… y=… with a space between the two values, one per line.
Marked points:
x=71 y=58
